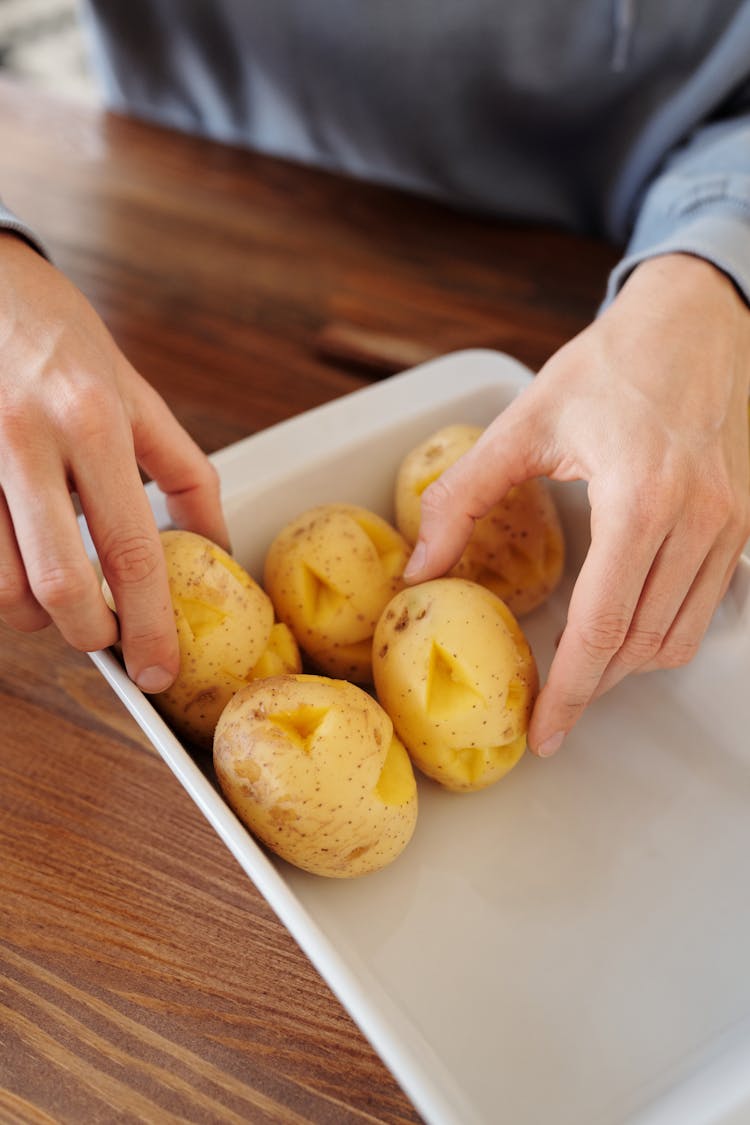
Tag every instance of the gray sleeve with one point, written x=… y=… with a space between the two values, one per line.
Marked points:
x=9 y=221
x=699 y=204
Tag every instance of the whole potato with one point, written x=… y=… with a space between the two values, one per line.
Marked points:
x=517 y=550
x=456 y=675
x=225 y=630
x=330 y=573
x=311 y=765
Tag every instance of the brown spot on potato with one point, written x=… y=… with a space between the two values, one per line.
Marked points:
x=282 y=815
x=247 y=769
x=403 y=620
x=201 y=699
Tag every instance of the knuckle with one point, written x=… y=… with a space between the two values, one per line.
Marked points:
x=130 y=560
x=640 y=646
x=569 y=704
x=453 y=498
x=209 y=475
x=604 y=634
x=59 y=586
x=715 y=509
x=152 y=638
x=160 y=644
x=151 y=645
x=677 y=651
x=17 y=428
x=82 y=405
x=437 y=497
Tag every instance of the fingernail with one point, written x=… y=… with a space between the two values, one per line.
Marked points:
x=417 y=561
x=550 y=745
x=154 y=679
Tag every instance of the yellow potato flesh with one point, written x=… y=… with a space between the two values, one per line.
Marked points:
x=329 y=574
x=455 y=673
x=312 y=766
x=517 y=550
x=280 y=655
x=224 y=622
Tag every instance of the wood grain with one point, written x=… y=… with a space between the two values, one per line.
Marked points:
x=142 y=977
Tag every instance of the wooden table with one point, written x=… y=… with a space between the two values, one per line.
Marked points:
x=142 y=977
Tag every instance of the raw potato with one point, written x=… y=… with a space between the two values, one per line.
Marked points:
x=517 y=550
x=330 y=573
x=226 y=633
x=311 y=765
x=456 y=675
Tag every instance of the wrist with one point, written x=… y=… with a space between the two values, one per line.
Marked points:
x=682 y=303
x=687 y=274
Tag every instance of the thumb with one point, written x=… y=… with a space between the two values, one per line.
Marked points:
x=507 y=453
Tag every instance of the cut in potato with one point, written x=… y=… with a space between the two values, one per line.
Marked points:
x=313 y=768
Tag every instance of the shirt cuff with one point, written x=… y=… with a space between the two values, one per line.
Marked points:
x=710 y=220
x=10 y=222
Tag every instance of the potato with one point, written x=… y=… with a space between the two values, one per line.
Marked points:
x=517 y=550
x=280 y=655
x=330 y=573
x=226 y=633
x=311 y=765
x=456 y=675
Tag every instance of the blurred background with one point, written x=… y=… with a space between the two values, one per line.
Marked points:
x=41 y=41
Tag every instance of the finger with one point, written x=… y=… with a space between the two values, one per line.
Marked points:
x=18 y=606
x=126 y=538
x=602 y=605
x=675 y=633
x=180 y=468
x=466 y=491
x=675 y=570
x=60 y=576
x=694 y=618
x=732 y=568
x=447 y=518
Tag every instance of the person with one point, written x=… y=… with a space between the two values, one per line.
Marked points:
x=628 y=121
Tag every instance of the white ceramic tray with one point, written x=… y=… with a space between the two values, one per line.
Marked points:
x=571 y=946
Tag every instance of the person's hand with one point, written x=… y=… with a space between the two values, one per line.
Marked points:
x=76 y=417
x=649 y=406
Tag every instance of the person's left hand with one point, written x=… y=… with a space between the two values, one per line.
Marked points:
x=649 y=406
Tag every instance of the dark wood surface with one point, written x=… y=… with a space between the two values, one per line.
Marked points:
x=142 y=976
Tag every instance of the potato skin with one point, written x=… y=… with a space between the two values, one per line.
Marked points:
x=224 y=624
x=312 y=766
x=330 y=573
x=517 y=550
x=456 y=675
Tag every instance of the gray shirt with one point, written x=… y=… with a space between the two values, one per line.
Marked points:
x=628 y=119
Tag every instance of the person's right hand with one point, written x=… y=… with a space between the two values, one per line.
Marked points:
x=76 y=417
x=648 y=405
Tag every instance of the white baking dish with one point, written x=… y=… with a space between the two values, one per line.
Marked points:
x=571 y=946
